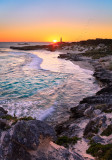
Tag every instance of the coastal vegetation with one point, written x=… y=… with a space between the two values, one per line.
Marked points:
x=96 y=54
x=100 y=151
x=107 y=131
x=65 y=141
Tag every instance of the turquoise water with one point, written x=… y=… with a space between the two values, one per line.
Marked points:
x=18 y=79
x=36 y=83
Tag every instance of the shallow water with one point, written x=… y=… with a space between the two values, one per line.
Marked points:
x=36 y=83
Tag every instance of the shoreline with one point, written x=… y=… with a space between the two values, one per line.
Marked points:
x=90 y=122
x=84 y=65
x=86 y=110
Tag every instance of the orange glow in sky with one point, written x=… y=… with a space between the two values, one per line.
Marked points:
x=46 y=21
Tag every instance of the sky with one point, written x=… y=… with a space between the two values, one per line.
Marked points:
x=47 y=20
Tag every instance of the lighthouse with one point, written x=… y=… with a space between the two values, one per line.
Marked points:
x=61 y=40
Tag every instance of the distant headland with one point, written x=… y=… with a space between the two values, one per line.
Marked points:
x=61 y=44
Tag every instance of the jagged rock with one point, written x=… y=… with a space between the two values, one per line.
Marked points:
x=71 y=56
x=24 y=136
x=97 y=139
x=79 y=110
x=2 y=112
x=89 y=111
x=103 y=75
x=94 y=125
x=98 y=99
x=96 y=112
x=63 y=56
x=3 y=123
x=92 y=112
x=32 y=140
x=106 y=90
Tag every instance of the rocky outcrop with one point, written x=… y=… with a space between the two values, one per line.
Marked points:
x=102 y=74
x=50 y=47
x=70 y=56
x=92 y=118
x=30 y=140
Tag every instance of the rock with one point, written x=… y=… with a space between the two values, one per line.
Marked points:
x=89 y=111
x=98 y=99
x=96 y=112
x=94 y=125
x=79 y=110
x=2 y=112
x=3 y=123
x=60 y=153
x=63 y=56
x=32 y=140
x=25 y=136
x=103 y=75
x=106 y=90
x=71 y=56
x=97 y=139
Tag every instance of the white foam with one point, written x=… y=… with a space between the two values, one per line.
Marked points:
x=46 y=113
x=27 y=108
x=35 y=63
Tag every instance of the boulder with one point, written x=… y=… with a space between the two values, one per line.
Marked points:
x=32 y=140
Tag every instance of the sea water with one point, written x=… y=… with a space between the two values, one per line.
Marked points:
x=37 y=83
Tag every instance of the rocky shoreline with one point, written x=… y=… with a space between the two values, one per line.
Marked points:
x=95 y=112
x=29 y=139
x=86 y=135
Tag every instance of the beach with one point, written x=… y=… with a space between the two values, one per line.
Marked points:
x=78 y=105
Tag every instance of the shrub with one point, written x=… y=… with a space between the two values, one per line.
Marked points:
x=102 y=152
x=107 y=131
x=64 y=140
x=97 y=54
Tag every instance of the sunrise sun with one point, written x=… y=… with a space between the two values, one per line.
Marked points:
x=54 y=41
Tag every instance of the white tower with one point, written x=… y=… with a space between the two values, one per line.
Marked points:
x=61 y=39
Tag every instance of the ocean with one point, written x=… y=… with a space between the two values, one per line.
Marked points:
x=39 y=84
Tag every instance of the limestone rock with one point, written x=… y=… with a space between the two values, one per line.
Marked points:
x=98 y=139
x=32 y=140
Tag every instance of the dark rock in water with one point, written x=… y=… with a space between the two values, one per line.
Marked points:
x=98 y=99
x=23 y=44
x=106 y=90
x=50 y=47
